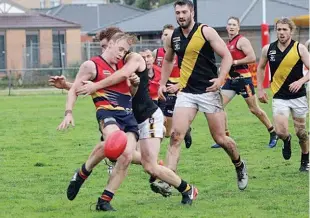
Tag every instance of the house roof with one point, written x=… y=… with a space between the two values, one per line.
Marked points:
x=214 y=14
x=14 y=16
x=87 y=15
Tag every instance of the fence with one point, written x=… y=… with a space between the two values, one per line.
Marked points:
x=38 y=62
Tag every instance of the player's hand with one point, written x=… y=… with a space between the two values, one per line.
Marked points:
x=172 y=88
x=66 y=122
x=134 y=79
x=161 y=91
x=216 y=85
x=295 y=86
x=262 y=96
x=58 y=81
x=87 y=88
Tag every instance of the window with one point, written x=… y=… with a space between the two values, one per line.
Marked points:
x=2 y=51
x=54 y=3
x=42 y=3
x=59 y=50
x=32 y=49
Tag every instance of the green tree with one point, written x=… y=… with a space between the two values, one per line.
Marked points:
x=143 y=4
x=164 y=2
x=129 y=2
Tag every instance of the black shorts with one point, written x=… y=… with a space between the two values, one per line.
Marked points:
x=161 y=104
x=123 y=119
x=170 y=103
x=242 y=86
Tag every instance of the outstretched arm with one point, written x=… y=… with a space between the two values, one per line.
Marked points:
x=87 y=71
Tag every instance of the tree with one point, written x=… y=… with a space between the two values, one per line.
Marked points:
x=129 y=2
x=143 y=4
x=164 y=2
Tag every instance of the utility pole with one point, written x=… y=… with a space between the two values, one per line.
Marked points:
x=195 y=10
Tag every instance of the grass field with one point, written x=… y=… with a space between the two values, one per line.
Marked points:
x=37 y=163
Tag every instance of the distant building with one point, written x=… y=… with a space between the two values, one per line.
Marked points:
x=30 y=40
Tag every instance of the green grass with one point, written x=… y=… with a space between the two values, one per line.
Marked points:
x=37 y=162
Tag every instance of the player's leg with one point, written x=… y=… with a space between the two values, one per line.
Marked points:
x=168 y=112
x=212 y=106
x=130 y=126
x=95 y=157
x=281 y=113
x=228 y=93
x=151 y=133
x=187 y=110
x=299 y=113
x=248 y=93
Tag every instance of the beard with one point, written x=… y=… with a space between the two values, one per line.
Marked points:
x=284 y=40
x=185 y=24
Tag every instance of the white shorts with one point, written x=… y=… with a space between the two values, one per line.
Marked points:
x=152 y=127
x=209 y=102
x=298 y=107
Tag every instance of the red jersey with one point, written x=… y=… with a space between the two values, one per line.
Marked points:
x=154 y=83
x=159 y=59
x=238 y=54
x=115 y=97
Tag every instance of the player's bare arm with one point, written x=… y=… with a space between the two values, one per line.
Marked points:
x=167 y=63
x=59 y=82
x=245 y=45
x=134 y=63
x=304 y=55
x=262 y=95
x=134 y=80
x=87 y=71
x=221 y=49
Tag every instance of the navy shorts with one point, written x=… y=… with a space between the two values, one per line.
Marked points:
x=123 y=119
x=242 y=86
x=170 y=103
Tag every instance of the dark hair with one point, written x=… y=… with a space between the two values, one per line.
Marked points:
x=168 y=26
x=234 y=18
x=108 y=33
x=184 y=2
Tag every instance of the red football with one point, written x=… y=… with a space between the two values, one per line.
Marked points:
x=115 y=144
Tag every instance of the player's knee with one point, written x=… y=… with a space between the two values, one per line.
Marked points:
x=220 y=139
x=176 y=137
x=125 y=159
x=302 y=135
x=149 y=168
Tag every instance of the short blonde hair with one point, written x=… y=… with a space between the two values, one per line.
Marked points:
x=131 y=39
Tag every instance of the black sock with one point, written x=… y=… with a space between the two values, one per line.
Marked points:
x=83 y=172
x=238 y=163
x=287 y=140
x=305 y=157
x=107 y=195
x=183 y=186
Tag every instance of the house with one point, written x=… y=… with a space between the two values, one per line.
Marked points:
x=215 y=13
x=93 y=16
x=29 y=39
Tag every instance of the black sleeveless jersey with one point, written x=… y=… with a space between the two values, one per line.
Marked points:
x=142 y=105
x=285 y=67
x=196 y=59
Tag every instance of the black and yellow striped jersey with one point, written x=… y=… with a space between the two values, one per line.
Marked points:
x=285 y=67
x=195 y=58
